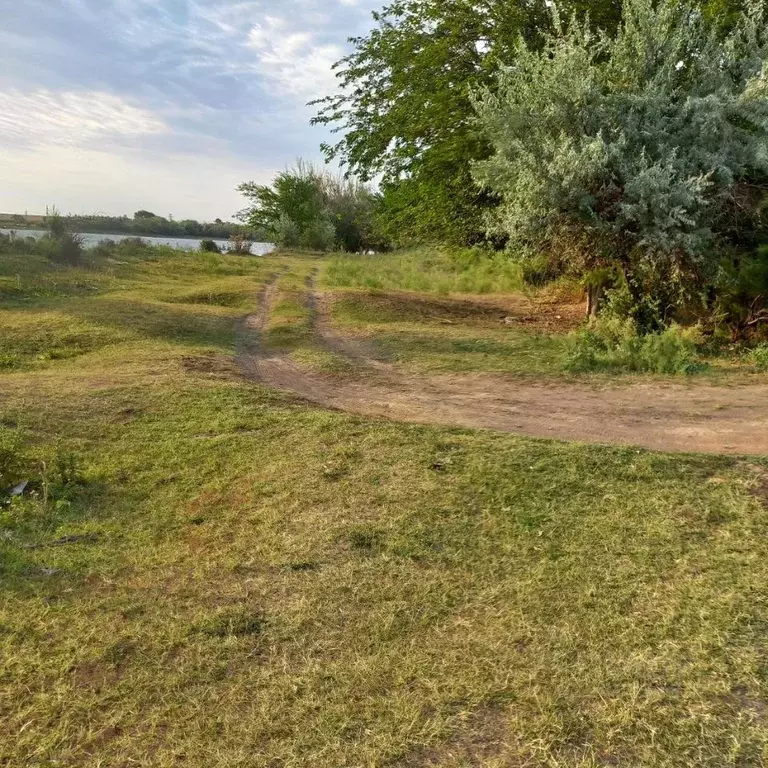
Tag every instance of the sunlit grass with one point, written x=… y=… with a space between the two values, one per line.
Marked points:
x=267 y=583
x=426 y=270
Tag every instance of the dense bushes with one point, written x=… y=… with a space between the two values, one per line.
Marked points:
x=308 y=208
x=612 y=343
x=641 y=154
x=64 y=248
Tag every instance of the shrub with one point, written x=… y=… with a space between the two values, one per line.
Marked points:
x=13 y=243
x=286 y=232
x=209 y=246
x=239 y=245
x=313 y=209
x=539 y=271
x=759 y=357
x=612 y=343
x=632 y=152
x=68 y=249
x=129 y=244
x=319 y=235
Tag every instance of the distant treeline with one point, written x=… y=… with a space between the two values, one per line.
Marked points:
x=143 y=223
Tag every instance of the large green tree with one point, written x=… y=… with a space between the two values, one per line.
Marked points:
x=403 y=111
x=632 y=154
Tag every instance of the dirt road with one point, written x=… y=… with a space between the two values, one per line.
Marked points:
x=685 y=417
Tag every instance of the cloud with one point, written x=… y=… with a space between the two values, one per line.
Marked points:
x=136 y=85
x=71 y=118
x=87 y=181
x=292 y=59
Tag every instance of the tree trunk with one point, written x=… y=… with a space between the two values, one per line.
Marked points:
x=594 y=294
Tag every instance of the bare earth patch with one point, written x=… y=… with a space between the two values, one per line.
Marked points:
x=686 y=417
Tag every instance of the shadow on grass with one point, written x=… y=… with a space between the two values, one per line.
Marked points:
x=378 y=307
x=160 y=321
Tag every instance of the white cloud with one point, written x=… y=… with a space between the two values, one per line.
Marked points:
x=71 y=118
x=292 y=60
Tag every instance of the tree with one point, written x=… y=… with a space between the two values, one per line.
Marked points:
x=312 y=209
x=629 y=155
x=144 y=215
x=404 y=108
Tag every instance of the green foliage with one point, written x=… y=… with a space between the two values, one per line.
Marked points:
x=209 y=246
x=539 y=270
x=66 y=249
x=758 y=356
x=404 y=111
x=467 y=270
x=611 y=343
x=628 y=152
x=741 y=290
x=313 y=209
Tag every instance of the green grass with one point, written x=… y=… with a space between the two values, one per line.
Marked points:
x=427 y=335
x=427 y=270
x=265 y=583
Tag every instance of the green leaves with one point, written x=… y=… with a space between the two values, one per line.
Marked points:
x=312 y=209
x=627 y=151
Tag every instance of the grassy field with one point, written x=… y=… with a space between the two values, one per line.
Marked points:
x=215 y=574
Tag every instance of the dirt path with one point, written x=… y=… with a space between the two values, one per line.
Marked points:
x=676 y=417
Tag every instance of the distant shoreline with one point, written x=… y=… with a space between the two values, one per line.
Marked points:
x=31 y=228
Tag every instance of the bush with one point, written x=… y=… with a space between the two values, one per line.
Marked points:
x=65 y=249
x=759 y=357
x=239 y=245
x=319 y=235
x=286 y=232
x=539 y=270
x=314 y=209
x=209 y=246
x=12 y=243
x=613 y=344
x=635 y=152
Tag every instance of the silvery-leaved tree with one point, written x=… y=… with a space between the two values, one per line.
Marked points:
x=632 y=156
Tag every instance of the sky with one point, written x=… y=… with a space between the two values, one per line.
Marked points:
x=111 y=106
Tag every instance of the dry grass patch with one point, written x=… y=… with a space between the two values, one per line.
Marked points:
x=264 y=583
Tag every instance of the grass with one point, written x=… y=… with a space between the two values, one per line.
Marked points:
x=264 y=583
x=428 y=335
x=428 y=270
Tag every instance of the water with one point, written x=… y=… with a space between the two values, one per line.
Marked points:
x=184 y=243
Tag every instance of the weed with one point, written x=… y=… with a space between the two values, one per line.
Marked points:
x=611 y=344
x=759 y=357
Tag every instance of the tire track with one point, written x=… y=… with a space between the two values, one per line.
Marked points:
x=689 y=417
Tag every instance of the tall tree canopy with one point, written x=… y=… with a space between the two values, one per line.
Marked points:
x=403 y=109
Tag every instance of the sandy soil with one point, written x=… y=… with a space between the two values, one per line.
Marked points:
x=685 y=417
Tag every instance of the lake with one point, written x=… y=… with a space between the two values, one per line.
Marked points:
x=184 y=243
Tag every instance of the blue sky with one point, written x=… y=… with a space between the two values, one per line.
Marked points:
x=115 y=105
